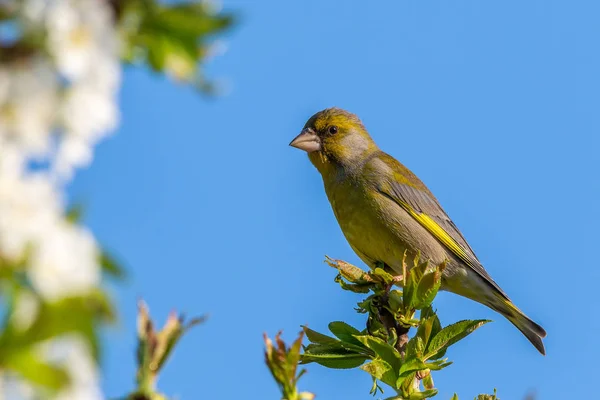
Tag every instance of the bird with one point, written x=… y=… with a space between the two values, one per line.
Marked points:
x=386 y=212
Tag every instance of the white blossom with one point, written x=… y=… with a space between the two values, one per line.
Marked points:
x=14 y=388
x=72 y=353
x=44 y=117
x=29 y=205
x=72 y=152
x=80 y=34
x=65 y=262
x=78 y=119
x=69 y=352
x=55 y=107
x=28 y=99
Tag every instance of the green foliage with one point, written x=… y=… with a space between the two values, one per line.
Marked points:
x=22 y=332
x=154 y=348
x=450 y=335
x=174 y=38
x=383 y=349
x=29 y=366
x=488 y=396
x=78 y=314
x=283 y=361
x=171 y=38
x=111 y=266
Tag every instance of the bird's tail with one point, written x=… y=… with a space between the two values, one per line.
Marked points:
x=530 y=329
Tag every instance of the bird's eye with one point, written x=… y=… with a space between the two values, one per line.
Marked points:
x=333 y=129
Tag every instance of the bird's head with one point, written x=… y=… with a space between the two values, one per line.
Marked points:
x=334 y=137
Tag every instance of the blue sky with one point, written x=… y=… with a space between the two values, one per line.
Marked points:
x=495 y=105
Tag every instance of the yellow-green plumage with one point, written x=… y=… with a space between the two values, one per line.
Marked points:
x=384 y=210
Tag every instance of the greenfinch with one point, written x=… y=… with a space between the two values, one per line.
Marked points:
x=385 y=211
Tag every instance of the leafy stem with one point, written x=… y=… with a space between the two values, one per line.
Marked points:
x=384 y=349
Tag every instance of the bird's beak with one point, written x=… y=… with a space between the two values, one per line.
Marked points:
x=307 y=140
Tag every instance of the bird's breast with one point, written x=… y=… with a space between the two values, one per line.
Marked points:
x=367 y=225
x=377 y=228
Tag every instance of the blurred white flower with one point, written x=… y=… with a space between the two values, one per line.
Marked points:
x=28 y=99
x=80 y=34
x=72 y=353
x=69 y=352
x=72 y=152
x=84 y=44
x=65 y=262
x=80 y=120
x=54 y=108
x=12 y=160
x=29 y=204
x=14 y=388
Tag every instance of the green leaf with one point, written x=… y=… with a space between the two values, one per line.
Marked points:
x=190 y=19
x=455 y=397
x=405 y=383
x=427 y=289
x=79 y=314
x=345 y=332
x=440 y=354
x=384 y=276
x=367 y=305
x=415 y=347
x=99 y=304
x=427 y=394
x=171 y=37
x=173 y=331
x=349 y=272
x=316 y=337
x=376 y=368
x=438 y=364
x=174 y=55
x=381 y=370
x=420 y=269
x=424 y=330
x=181 y=60
x=409 y=292
x=375 y=387
x=74 y=213
x=338 y=346
x=333 y=357
x=429 y=326
x=452 y=334
x=30 y=367
x=110 y=266
x=293 y=355
x=282 y=362
x=395 y=301
x=411 y=365
x=382 y=349
x=352 y=287
x=157 y=50
x=488 y=396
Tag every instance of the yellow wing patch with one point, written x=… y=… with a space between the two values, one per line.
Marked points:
x=439 y=233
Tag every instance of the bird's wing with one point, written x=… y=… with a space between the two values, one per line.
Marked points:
x=406 y=190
